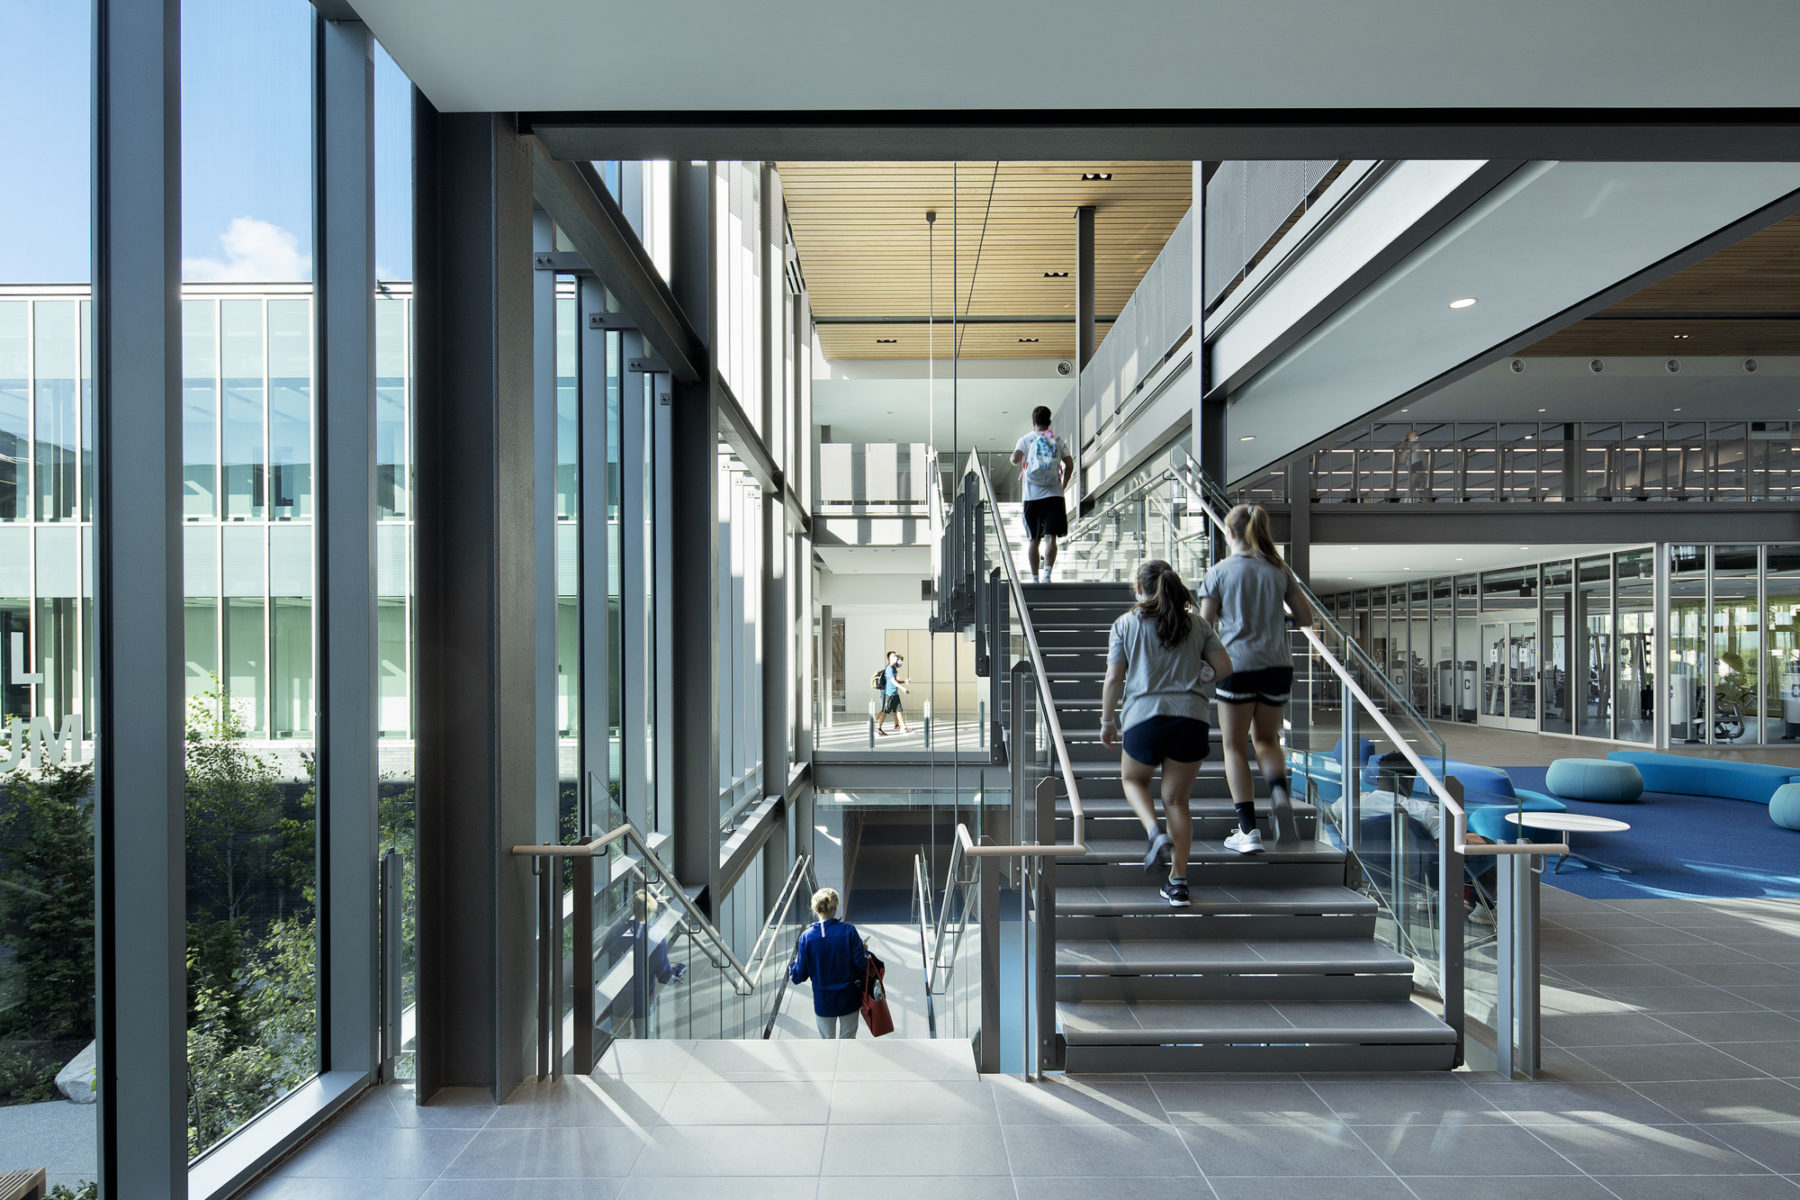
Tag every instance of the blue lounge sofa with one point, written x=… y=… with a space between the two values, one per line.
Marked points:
x=1689 y=775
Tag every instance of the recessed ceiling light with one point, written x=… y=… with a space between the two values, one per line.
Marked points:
x=886 y=341
x=1406 y=568
x=1459 y=558
x=1678 y=410
x=1529 y=436
x=1349 y=577
x=1248 y=437
x=1406 y=410
x=1640 y=435
x=1681 y=337
x=1356 y=547
x=1546 y=410
x=1095 y=176
x=1028 y=340
x=1056 y=274
x=1465 y=302
x=1524 y=547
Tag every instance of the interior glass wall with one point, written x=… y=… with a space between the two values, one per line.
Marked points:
x=1634 y=633
x=247 y=222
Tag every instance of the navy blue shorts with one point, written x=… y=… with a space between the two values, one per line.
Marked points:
x=1178 y=739
x=1265 y=685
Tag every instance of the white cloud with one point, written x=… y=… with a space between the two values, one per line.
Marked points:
x=255 y=252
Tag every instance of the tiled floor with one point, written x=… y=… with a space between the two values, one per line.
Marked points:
x=1672 y=1069
x=1513 y=748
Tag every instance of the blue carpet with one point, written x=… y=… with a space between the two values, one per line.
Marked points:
x=1679 y=846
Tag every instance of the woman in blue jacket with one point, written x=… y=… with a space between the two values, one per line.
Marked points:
x=833 y=956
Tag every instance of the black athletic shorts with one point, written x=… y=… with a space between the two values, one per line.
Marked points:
x=1046 y=518
x=890 y=703
x=1265 y=685
x=1179 y=739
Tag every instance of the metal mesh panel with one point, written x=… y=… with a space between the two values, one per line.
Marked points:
x=1176 y=269
x=1224 y=227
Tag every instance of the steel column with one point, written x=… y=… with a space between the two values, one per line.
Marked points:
x=1084 y=330
x=988 y=892
x=692 y=519
x=344 y=313
x=477 y=587
x=140 y=917
x=593 y=602
x=543 y=529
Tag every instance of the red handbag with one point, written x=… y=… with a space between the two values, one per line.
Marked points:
x=874 y=999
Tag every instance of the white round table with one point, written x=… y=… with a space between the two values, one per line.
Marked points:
x=1567 y=823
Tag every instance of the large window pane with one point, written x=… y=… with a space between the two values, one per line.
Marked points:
x=46 y=584
x=1737 y=646
x=247 y=221
x=1634 y=691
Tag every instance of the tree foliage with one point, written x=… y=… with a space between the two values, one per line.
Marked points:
x=47 y=901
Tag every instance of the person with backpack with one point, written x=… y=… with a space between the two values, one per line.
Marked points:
x=1047 y=466
x=1244 y=594
x=1160 y=659
x=887 y=681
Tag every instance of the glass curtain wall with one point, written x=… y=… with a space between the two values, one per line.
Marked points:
x=1634 y=637
x=1737 y=646
x=46 y=538
x=247 y=221
x=1689 y=651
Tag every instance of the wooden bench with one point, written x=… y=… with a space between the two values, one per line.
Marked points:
x=23 y=1185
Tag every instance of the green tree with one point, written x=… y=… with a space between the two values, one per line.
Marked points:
x=47 y=900
x=233 y=809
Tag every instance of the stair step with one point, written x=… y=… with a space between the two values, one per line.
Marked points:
x=1385 y=1035
x=1154 y=956
x=1120 y=850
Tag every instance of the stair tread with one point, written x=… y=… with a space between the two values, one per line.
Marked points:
x=1118 y=806
x=1122 y=1022
x=1100 y=956
x=1131 y=850
x=1254 y=898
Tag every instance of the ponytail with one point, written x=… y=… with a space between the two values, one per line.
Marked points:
x=1249 y=524
x=1166 y=601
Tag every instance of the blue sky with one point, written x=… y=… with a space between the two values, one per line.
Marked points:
x=246 y=143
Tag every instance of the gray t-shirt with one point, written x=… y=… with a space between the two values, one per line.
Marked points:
x=1161 y=681
x=1252 y=619
x=1037 y=491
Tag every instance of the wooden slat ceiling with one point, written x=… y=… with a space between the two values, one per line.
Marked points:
x=1743 y=300
x=866 y=250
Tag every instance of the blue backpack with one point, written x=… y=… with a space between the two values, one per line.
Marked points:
x=1043 y=467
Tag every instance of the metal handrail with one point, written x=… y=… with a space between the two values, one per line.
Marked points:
x=1078 y=845
x=743 y=985
x=801 y=872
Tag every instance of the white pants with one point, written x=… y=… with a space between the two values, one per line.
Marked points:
x=839 y=1027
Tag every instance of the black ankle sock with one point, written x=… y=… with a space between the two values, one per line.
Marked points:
x=1246 y=814
x=1178 y=880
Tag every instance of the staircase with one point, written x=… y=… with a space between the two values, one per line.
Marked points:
x=1274 y=967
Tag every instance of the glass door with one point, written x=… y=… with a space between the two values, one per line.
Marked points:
x=1509 y=682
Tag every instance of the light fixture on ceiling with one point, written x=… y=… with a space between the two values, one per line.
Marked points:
x=1678 y=410
x=1056 y=274
x=1406 y=410
x=1524 y=547
x=1459 y=558
x=1465 y=302
x=1681 y=337
x=1029 y=340
x=1248 y=437
x=1096 y=176
x=886 y=341
x=1543 y=410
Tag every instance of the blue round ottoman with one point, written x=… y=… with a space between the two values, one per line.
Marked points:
x=1784 y=806
x=1596 y=779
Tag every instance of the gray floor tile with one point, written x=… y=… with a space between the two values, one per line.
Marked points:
x=1736 y=1100
x=748 y=1187
x=1327 y=1148
x=279 y=1187
x=548 y=1153
x=648 y=1058
x=1685 y=999
x=1698 y=953
x=1612 y=1029
x=524 y=1189
x=1482 y=1150
x=395 y=1106
x=1398 y=1099
x=1782 y=997
x=1646 y=1150
x=1777 y=1058
x=378 y=1154
x=1076 y=1100
x=747 y=1150
x=775 y=1060
x=1608 y=977
x=1118 y=1151
x=931 y=1150
x=913 y=1187
x=1508 y=1187
x=1373 y=1188
x=740 y=1102
x=581 y=1101
x=1096 y=1187
x=1240 y=1102
x=1737 y=1027
x=912 y=1102
x=1701 y=1187
x=1694 y=1061
x=1748 y=974
x=891 y=1058
x=1776 y=1147
x=1546 y=1103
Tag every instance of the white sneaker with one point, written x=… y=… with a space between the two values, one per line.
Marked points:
x=1245 y=843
